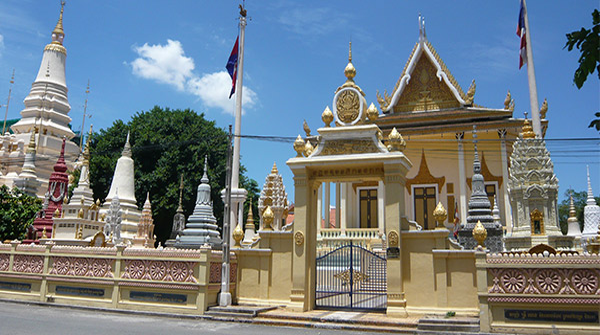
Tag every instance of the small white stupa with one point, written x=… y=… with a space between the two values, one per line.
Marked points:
x=591 y=212
x=123 y=182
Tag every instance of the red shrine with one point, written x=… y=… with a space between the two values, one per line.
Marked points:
x=53 y=201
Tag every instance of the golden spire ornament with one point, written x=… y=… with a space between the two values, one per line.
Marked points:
x=327 y=116
x=299 y=146
x=479 y=234
x=440 y=214
x=372 y=112
x=268 y=218
x=527 y=129
x=350 y=71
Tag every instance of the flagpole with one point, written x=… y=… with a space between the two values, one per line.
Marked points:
x=235 y=172
x=533 y=96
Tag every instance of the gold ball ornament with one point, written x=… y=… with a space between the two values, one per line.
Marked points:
x=299 y=146
x=238 y=235
x=327 y=116
x=268 y=218
x=308 y=149
x=395 y=141
x=440 y=214
x=479 y=234
x=372 y=112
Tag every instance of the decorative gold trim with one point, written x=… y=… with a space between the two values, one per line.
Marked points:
x=299 y=238
x=98 y=236
x=56 y=47
x=487 y=175
x=534 y=216
x=424 y=176
x=393 y=238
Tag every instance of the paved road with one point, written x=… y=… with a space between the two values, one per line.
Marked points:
x=24 y=319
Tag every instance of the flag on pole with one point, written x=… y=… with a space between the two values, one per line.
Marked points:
x=521 y=33
x=456 y=220
x=232 y=65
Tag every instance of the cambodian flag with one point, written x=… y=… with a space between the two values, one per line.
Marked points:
x=232 y=65
x=521 y=32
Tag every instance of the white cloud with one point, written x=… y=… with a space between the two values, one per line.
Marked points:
x=163 y=63
x=168 y=64
x=214 y=88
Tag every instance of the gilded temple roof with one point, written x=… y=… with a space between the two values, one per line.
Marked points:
x=426 y=83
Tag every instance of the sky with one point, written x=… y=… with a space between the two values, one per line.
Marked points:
x=137 y=54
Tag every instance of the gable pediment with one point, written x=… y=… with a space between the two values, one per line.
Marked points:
x=425 y=84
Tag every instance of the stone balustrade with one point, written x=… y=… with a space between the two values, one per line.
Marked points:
x=334 y=237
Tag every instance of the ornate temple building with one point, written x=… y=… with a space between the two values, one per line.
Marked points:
x=47 y=109
x=533 y=190
x=436 y=117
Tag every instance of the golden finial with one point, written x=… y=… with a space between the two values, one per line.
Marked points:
x=31 y=146
x=372 y=112
x=544 y=109
x=479 y=234
x=58 y=32
x=527 y=129
x=440 y=214
x=103 y=217
x=395 y=141
x=327 y=116
x=299 y=146
x=350 y=71
x=306 y=128
x=238 y=235
x=268 y=218
x=79 y=233
x=250 y=219
x=308 y=149
x=274 y=169
x=471 y=93
x=44 y=233
x=507 y=100
x=57 y=213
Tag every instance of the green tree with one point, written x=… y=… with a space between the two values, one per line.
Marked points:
x=17 y=212
x=579 y=200
x=165 y=144
x=588 y=42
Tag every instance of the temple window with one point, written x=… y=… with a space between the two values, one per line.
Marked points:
x=368 y=207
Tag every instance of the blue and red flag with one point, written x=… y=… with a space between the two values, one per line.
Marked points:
x=232 y=65
x=521 y=32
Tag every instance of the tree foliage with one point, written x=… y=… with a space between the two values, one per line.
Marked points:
x=579 y=200
x=165 y=144
x=17 y=212
x=588 y=42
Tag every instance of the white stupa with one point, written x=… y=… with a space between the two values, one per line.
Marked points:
x=591 y=212
x=47 y=108
x=123 y=183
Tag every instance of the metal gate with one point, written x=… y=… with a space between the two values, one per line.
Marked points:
x=351 y=277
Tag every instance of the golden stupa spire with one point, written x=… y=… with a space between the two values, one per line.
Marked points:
x=350 y=71
x=31 y=146
x=58 y=33
x=274 y=169
x=527 y=129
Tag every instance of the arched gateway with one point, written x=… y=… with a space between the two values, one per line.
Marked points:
x=351 y=152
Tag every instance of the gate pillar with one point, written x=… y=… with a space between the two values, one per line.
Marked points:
x=394 y=182
x=305 y=242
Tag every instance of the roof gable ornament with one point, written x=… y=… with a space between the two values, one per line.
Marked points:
x=454 y=96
